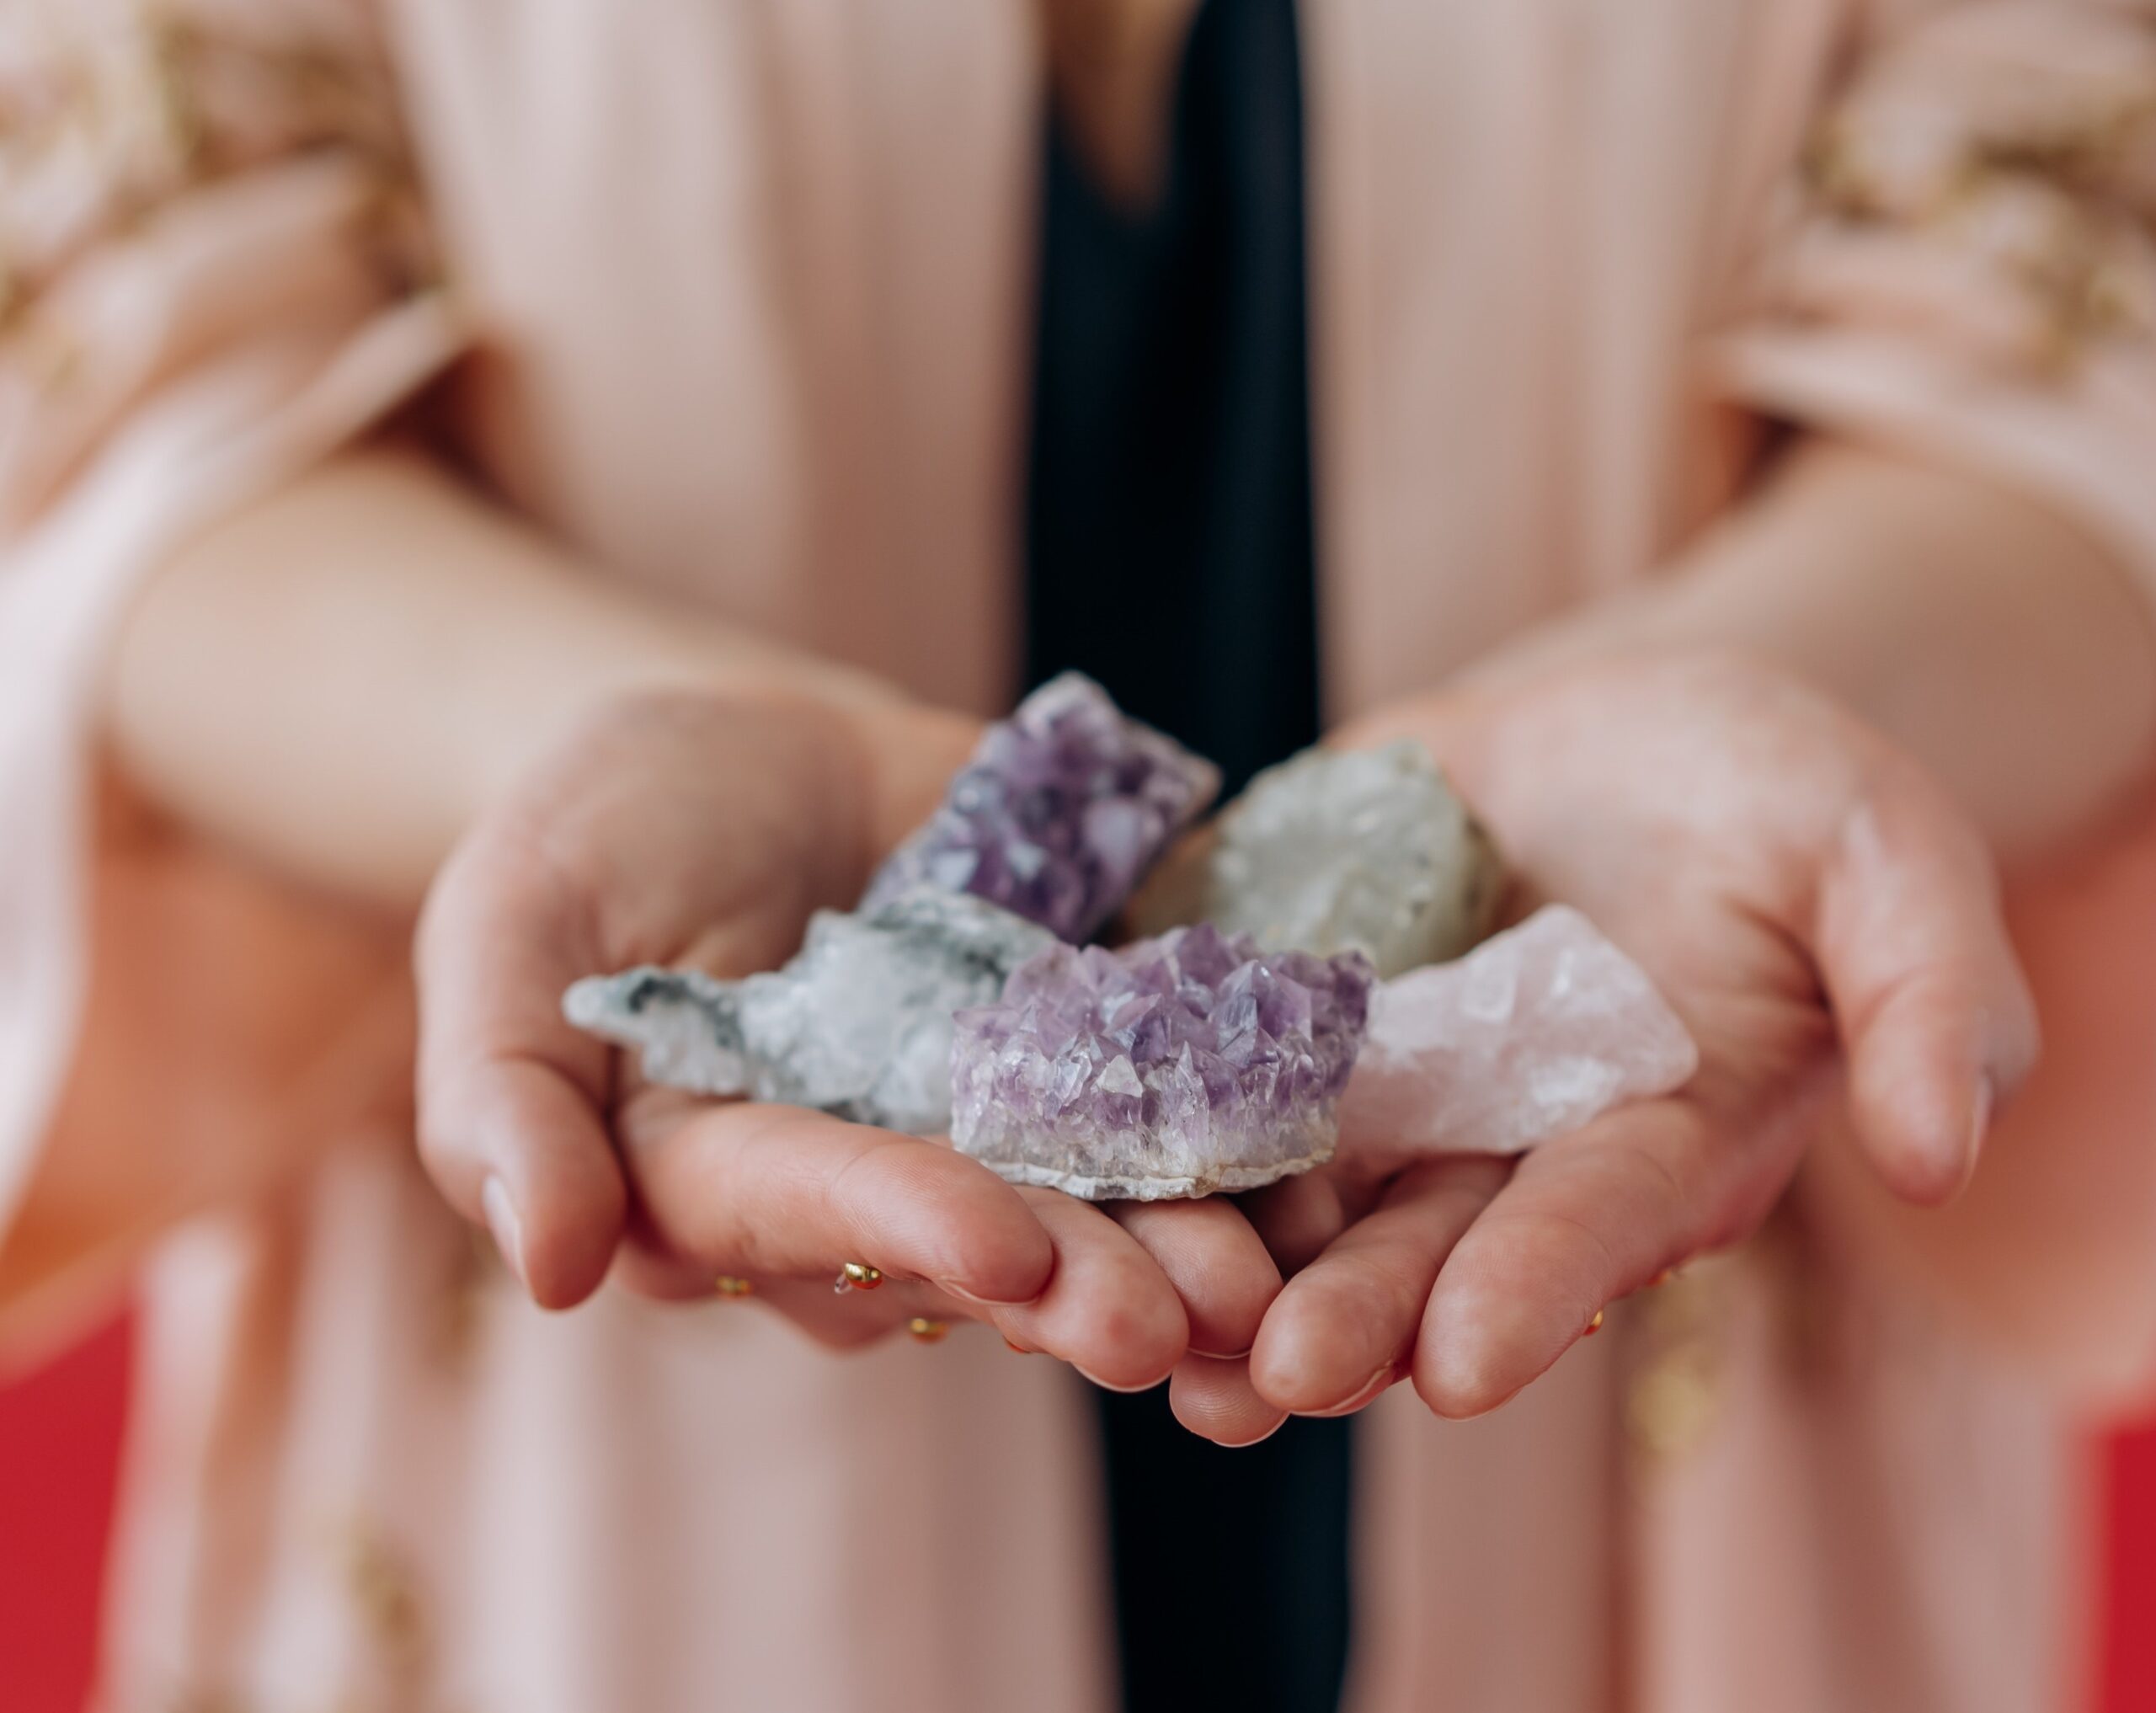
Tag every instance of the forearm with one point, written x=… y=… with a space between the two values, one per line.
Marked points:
x=337 y=679
x=1991 y=638
x=2014 y=659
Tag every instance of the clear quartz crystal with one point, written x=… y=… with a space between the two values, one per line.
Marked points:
x=1535 y=1033
x=1064 y=808
x=857 y=1024
x=1174 y=1067
x=1368 y=850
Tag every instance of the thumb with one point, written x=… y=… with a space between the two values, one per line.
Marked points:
x=511 y=1121
x=1935 y=1020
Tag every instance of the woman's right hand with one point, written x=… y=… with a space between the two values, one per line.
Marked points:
x=692 y=829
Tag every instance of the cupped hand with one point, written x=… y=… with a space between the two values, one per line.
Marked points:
x=690 y=830
x=1820 y=912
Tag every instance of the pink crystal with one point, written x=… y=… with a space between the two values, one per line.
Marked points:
x=1062 y=808
x=1173 y=1067
x=1531 y=1035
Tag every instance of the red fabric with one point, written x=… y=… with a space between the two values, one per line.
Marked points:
x=2129 y=1658
x=59 y=1451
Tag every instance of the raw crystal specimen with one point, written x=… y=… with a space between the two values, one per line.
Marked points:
x=1368 y=850
x=859 y=1023
x=1173 y=1067
x=1061 y=811
x=1536 y=1032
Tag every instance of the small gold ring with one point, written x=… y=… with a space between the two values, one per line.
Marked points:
x=857 y=1276
x=1594 y=1325
x=923 y=1331
x=730 y=1284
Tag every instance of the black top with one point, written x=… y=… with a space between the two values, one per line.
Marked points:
x=1170 y=556
x=1169 y=523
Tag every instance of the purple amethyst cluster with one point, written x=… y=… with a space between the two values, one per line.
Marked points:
x=1174 y=1067
x=1062 y=810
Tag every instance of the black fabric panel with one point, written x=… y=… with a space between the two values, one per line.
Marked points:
x=1170 y=555
x=1169 y=531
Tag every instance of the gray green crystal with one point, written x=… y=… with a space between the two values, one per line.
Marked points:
x=1334 y=851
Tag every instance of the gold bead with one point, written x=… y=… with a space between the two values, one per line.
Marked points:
x=731 y=1285
x=857 y=1276
x=924 y=1331
x=1594 y=1325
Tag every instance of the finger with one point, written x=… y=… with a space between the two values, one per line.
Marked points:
x=1109 y=1310
x=1215 y=1399
x=781 y=1191
x=1296 y=1217
x=511 y=1096
x=1344 y=1326
x=1937 y=1022
x=858 y=1318
x=1583 y=1220
x=842 y=1322
x=1216 y=1263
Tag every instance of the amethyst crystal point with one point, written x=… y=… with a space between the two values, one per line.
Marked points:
x=1174 y=1067
x=1061 y=811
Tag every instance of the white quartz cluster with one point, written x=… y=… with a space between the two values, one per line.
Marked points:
x=857 y=1024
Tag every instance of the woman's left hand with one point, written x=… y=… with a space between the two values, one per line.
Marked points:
x=1812 y=903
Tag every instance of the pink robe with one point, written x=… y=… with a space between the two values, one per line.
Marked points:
x=735 y=299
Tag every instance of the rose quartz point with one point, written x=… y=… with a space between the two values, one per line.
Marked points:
x=1535 y=1033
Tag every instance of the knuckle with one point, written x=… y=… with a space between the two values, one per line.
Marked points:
x=1145 y=1334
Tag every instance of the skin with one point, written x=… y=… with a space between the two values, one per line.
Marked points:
x=685 y=828
x=1810 y=902
x=1811 y=895
x=571 y=778
x=1815 y=901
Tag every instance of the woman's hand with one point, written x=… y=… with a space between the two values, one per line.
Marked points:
x=1808 y=898
x=692 y=829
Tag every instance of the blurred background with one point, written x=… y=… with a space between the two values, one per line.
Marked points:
x=60 y=1442
x=1171 y=249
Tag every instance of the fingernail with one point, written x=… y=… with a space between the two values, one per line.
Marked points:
x=1105 y=1386
x=1980 y=1120
x=1370 y=1388
x=1222 y=1355
x=966 y=1296
x=502 y=1221
x=1014 y=1345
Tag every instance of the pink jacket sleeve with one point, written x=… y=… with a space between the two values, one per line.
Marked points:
x=1967 y=270
x=1967 y=265
x=210 y=274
